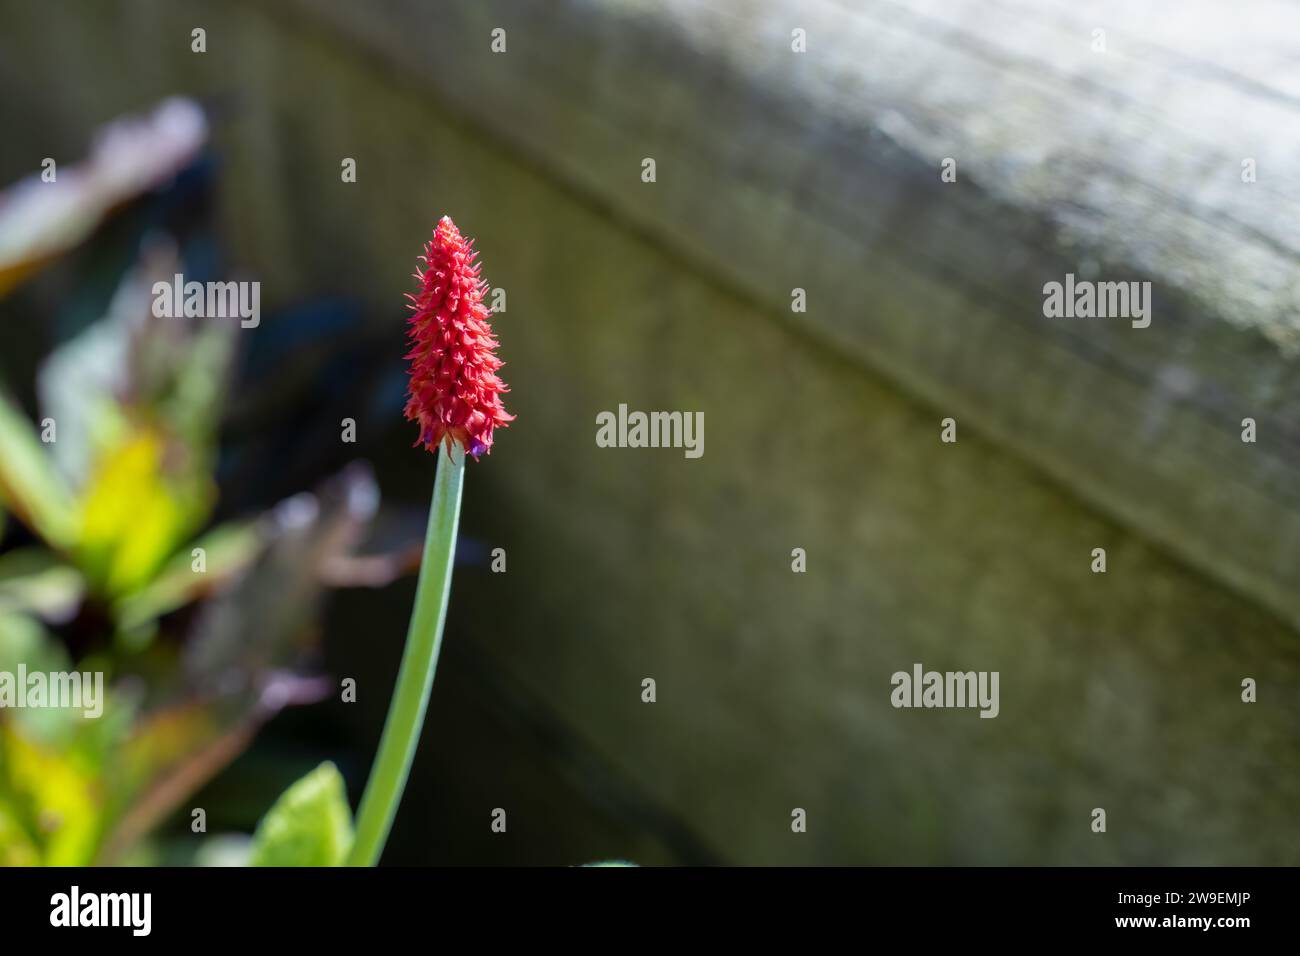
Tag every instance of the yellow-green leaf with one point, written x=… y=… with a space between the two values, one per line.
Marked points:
x=135 y=513
x=310 y=825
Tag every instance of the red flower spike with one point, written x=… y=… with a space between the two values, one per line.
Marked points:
x=454 y=392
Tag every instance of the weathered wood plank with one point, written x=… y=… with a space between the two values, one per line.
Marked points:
x=822 y=171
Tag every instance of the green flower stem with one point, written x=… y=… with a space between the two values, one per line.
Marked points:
x=419 y=661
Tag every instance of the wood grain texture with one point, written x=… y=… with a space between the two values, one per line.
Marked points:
x=821 y=171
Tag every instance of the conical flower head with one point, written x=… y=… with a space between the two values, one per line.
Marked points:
x=454 y=392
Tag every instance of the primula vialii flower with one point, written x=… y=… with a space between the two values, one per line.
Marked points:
x=455 y=397
x=455 y=393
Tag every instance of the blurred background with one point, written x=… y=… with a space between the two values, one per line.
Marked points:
x=798 y=267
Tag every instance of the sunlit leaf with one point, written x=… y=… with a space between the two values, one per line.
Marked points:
x=136 y=512
x=50 y=797
x=310 y=825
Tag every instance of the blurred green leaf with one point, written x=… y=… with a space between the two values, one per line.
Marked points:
x=136 y=511
x=65 y=730
x=225 y=849
x=187 y=380
x=310 y=825
x=17 y=845
x=78 y=386
x=35 y=580
x=131 y=364
x=227 y=550
x=23 y=640
x=30 y=486
x=242 y=660
x=48 y=802
x=166 y=755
